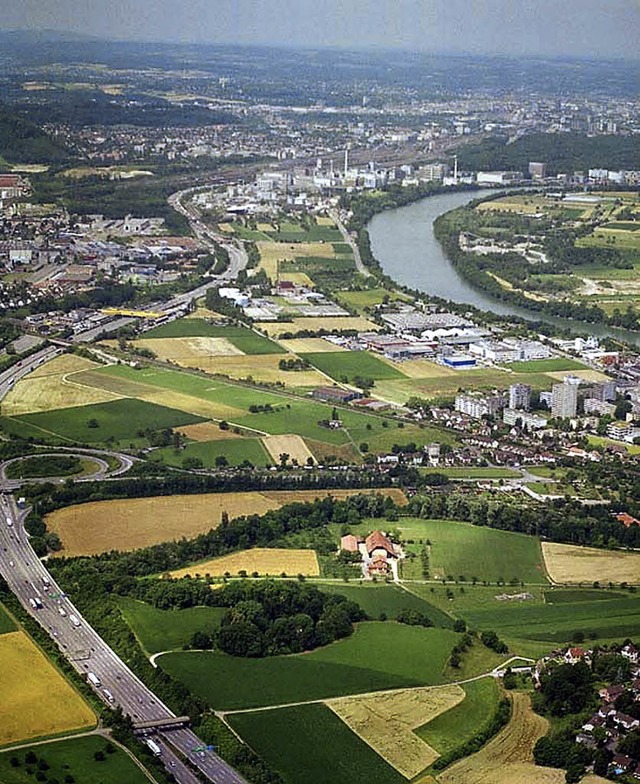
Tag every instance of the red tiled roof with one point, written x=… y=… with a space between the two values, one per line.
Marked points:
x=378 y=541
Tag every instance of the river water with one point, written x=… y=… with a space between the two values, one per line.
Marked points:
x=404 y=243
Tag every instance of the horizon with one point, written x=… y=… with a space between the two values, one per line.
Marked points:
x=578 y=29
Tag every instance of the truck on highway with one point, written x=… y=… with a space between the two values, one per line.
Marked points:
x=93 y=678
x=9 y=522
x=74 y=620
x=32 y=602
x=39 y=604
x=108 y=695
x=62 y=611
x=155 y=749
x=47 y=583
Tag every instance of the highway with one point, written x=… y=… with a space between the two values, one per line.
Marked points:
x=30 y=581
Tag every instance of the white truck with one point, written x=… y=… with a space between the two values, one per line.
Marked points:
x=108 y=695
x=93 y=678
x=62 y=611
x=9 y=522
x=155 y=749
x=74 y=620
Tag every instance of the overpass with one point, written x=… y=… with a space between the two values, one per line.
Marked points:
x=167 y=722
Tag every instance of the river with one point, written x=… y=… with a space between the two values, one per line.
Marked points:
x=404 y=243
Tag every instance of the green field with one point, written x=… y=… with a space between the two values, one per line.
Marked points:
x=377 y=656
x=473 y=472
x=350 y=364
x=368 y=298
x=166 y=630
x=309 y=744
x=236 y=450
x=6 y=623
x=460 y=724
x=119 y=420
x=554 y=365
x=73 y=758
x=242 y=338
x=390 y=600
x=464 y=550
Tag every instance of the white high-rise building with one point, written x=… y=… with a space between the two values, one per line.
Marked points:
x=520 y=396
x=564 y=399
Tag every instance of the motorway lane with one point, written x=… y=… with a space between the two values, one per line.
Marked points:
x=28 y=578
x=25 y=366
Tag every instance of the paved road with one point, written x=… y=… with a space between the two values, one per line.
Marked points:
x=354 y=245
x=9 y=377
x=30 y=581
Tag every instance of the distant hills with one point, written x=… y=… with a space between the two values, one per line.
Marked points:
x=22 y=141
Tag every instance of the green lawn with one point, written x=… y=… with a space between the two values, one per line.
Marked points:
x=74 y=758
x=165 y=630
x=309 y=744
x=366 y=299
x=553 y=365
x=6 y=623
x=350 y=364
x=388 y=599
x=377 y=656
x=465 y=550
x=236 y=451
x=460 y=724
x=119 y=420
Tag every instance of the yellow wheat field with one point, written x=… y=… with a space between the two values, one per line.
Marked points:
x=263 y=561
x=206 y=431
x=508 y=758
x=35 y=699
x=292 y=445
x=129 y=524
x=567 y=563
x=386 y=722
x=53 y=385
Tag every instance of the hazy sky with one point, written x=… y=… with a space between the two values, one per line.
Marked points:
x=548 y=27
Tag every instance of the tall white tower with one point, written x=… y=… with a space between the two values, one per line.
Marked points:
x=455 y=168
x=346 y=161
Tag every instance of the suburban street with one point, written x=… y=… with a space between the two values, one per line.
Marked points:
x=30 y=581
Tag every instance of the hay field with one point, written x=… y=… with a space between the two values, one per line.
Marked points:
x=292 y=445
x=35 y=699
x=587 y=375
x=265 y=367
x=272 y=252
x=508 y=758
x=309 y=345
x=386 y=722
x=567 y=563
x=264 y=561
x=128 y=524
x=276 y=328
x=52 y=386
x=323 y=220
x=189 y=348
x=124 y=387
x=206 y=431
x=299 y=278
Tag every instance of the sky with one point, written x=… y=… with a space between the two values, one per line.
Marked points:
x=583 y=28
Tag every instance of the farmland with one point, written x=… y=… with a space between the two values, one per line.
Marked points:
x=294 y=446
x=244 y=339
x=236 y=451
x=508 y=758
x=367 y=661
x=162 y=630
x=35 y=700
x=309 y=743
x=99 y=422
x=263 y=561
x=74 y=758
x=461 y=549
x=454 y=727
x=569 y=564
x=52 y=386
x=387 y=723
x=328 y=323
x=128 y=524
x=340 y=365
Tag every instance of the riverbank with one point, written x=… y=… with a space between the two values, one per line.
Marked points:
x=406 y=252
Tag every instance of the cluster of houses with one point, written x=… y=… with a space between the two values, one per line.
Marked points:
x=379 y=554
x=608 y=725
